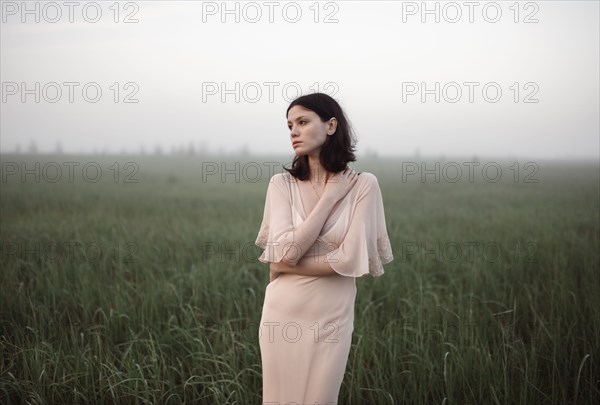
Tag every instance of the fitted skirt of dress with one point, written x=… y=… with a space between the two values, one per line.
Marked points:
x=305 y=335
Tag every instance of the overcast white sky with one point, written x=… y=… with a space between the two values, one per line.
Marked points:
x=178 y=51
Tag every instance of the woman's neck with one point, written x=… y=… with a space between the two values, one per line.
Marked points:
x=317 y=173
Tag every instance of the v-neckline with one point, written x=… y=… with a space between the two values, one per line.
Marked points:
x=312 y=185
x=303 y=213
x=303 y=206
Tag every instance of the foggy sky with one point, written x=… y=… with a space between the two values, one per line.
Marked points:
x=172 y=55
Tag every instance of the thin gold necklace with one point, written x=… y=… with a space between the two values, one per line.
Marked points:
x=314 y=187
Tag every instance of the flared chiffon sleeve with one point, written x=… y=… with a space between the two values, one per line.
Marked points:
x=276 y=234
x=366 y=246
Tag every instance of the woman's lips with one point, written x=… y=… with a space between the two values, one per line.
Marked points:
x=296 y=144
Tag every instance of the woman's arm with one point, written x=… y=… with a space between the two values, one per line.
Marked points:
x=306 y=266
x=308 y=231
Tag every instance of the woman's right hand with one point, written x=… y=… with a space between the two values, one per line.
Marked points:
x=340 y=183
x=273 y=275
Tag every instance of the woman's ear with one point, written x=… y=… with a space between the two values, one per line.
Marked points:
x=332 y=127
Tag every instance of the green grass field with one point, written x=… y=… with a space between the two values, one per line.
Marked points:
x=144 y=286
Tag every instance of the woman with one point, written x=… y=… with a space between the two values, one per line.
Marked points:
x=323 y=226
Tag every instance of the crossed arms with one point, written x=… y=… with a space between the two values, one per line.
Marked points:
x=304 y=237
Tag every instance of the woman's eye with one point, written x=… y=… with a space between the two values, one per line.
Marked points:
x=301 y=122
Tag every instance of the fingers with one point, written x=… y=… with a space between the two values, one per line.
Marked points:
x=353 y=176
x=350 y=172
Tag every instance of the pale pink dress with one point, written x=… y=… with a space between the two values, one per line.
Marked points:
x=307 y=322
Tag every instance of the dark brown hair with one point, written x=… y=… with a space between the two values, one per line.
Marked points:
x=338 y=149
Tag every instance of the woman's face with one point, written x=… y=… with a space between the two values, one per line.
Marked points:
x=307 y=128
